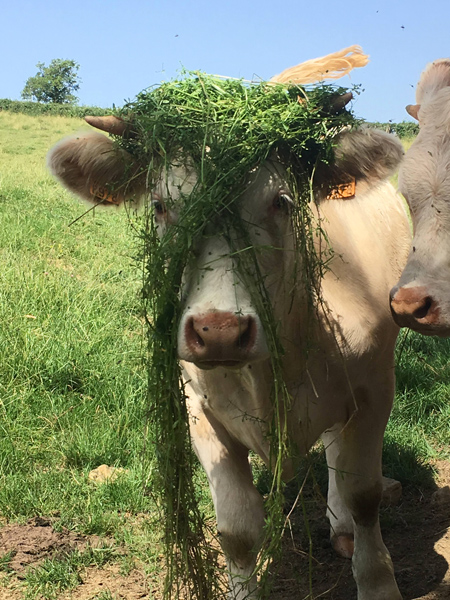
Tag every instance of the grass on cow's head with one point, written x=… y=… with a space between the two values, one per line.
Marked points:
x=223 y=129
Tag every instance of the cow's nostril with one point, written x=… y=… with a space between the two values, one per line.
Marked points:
x=414 y=307
x=192 y=335
x=246 y=337
x=422 y=311
x=199 y=340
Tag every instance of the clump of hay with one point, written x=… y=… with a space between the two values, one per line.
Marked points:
x=222 y=129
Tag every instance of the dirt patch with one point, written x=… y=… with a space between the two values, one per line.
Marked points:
x=416 y=531
x=95 y=581
x=31 y=543
x=443 y=472
x=10 y=591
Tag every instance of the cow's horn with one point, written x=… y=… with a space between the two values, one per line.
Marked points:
x=110 y=124
x=341 y=101
x=413 y=110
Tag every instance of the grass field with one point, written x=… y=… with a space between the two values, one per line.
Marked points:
x=72 y=378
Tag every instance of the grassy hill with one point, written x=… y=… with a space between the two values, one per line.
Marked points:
x=72 y=379
x=72 y=382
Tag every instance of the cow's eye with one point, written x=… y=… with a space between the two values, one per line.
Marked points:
x=282 y=201
x=159 y=208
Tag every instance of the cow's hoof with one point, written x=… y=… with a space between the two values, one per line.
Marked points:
x=343 y=544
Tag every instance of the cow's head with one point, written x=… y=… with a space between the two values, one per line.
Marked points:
x=421 y=299
x=220 y=324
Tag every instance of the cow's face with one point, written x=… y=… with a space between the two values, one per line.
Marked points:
x=220 y=325
x=421 y=300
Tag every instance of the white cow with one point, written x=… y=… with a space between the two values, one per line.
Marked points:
x=341 y=391
x=421 y=299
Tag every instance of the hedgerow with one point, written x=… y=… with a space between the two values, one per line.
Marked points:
x=405 y=129
x=38 y=108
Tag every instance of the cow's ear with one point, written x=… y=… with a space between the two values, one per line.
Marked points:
x=91 y=166
x=435 y=77
x=367 y=153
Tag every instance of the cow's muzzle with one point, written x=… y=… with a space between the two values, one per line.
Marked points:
x=415 y=308
x=220 y=339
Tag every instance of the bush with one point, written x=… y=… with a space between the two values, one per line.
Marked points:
x=66 y=110
x=405 y=129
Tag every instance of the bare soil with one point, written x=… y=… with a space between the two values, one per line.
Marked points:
x=130 y=587
x=36 y=540
x=416 y=531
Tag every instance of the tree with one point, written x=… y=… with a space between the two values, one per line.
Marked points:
x=54 y=83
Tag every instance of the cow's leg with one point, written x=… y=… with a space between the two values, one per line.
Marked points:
x=358 y=483
x=238 y=504
x=338 y=513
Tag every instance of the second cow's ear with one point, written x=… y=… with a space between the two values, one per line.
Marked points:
x=92 y=166
x=435 y=77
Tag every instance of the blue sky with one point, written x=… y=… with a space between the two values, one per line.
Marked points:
x=124 y=46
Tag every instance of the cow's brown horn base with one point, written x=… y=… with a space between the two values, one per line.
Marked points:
x=341 y=102
x=413 y=110
x=109 y=124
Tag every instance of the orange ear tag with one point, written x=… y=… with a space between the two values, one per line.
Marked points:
x=104 y=196
x=343 y=191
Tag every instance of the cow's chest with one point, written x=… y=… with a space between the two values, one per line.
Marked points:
x=241 y=401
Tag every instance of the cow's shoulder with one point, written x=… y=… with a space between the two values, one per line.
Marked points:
x=370 y=238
